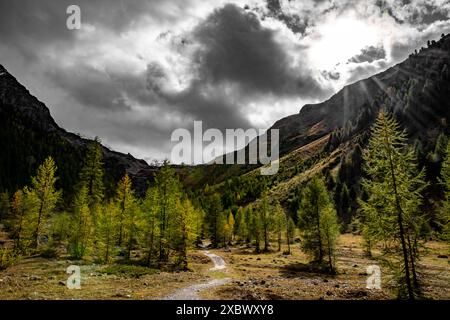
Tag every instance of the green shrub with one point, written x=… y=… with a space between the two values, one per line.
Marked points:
x=7 y=258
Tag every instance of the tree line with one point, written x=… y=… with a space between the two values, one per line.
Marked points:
x=164 y=224
x=160 y=228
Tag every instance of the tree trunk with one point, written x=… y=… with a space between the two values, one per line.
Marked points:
x=400 y=225
x=319 y=236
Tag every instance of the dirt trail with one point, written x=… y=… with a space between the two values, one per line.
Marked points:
x=192 y=292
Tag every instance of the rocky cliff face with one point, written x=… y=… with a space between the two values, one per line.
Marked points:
x=416 y=90
x=28 y=134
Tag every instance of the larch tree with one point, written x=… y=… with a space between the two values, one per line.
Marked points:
x=19 y=210
x=392 y=211
x=317 y=221
x=169 y=191
x=444 y=214
x=330 y=234
x=124 y=201
x=266 y=221
x=240 y=225
x=132 y=226
x=81 y=225
x=45 y=197
x=91 y=177
x=229 y=228
x=279 y=223
x=255 y=228
x=184 y=233
x=150 y=211
x=215 y=219
x=106 y=232
x=290 y=233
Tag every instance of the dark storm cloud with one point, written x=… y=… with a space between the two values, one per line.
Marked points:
x=236 y=61
x=106 y=89
x=369 y=54
x=237 y=48
x=46 y=19
x=238 y=58
x=30 y=24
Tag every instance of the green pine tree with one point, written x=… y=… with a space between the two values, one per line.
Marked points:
x=92 y=172
x=81 y=225
x=240 y=226
x=290 y=233
x=318 y=222
x=150 y=210
x=215 y=219
x=184 y=235
x=266 y=220
x=279 y=220
x=43 y=198
x=255 y=228
x=169 y=192
x=91 y=177
x=125 y=201
x=444 y=214
x=107 y=232
x=392 y=211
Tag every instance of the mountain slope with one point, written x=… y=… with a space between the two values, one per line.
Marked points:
x=329 y=137
x=416 y=90
x=28 y=134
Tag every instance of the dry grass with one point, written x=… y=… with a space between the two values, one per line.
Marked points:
x=39 y=278
x=255 y=276
x=276 y=276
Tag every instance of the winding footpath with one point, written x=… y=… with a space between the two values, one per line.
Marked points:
x=192 y=292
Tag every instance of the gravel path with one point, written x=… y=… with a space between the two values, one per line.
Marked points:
x=192 y=292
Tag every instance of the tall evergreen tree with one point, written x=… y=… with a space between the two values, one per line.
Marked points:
x=215 y=219
x=169 y=192
x=266 y=221
x=184 y=231
x=19 y=209
x=125 y=201
x=317 y=221
x=290 y=232
x=444 y=213
x=279 y=220
x=132 y=226
x=92 y=172
x=107 y=232
x=392 y=210
x=45 y=197
x=91 y=177
x=150 y=209
x=229 y=228
x=240 y=225
x=255 y=228
x=81 y=225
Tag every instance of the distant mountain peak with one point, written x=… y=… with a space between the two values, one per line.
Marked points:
x=26 y=121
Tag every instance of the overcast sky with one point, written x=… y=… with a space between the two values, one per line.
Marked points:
x=137 y=70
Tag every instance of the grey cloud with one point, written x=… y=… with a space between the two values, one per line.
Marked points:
x=102 y=89
x=237 y=48
x=414 y=12
x=365 y=70
x=238 y=58
x=331 y=75
x=369 y=54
